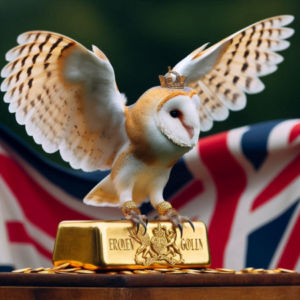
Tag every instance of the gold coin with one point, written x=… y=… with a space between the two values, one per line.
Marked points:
x=247 y=270
x=140 y=272
x=111 y=273
x=210 y=271
x=21 y=270
x=286 y=270
x=46 y=272
x=154 y=272
x=258 y=271
x=175 y=268
x=276 y=271
x=239 y=272
x=192 y=272
x=37 y=269
x=177 y=272
x=162 y=270
x=269 y=272
x=67 y=270
x=69 y=273
x=63 y=266
x=225 y=270
x=85 y=272
x=126 y=272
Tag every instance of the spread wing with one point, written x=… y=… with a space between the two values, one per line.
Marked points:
x=67 y=98
x=223 y=73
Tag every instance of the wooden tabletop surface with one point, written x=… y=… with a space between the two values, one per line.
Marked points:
x=148 y=280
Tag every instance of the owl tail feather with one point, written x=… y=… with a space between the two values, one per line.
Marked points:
x=103 y=194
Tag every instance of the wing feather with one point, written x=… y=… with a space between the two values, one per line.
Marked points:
x=226 y=71
x=67 y=98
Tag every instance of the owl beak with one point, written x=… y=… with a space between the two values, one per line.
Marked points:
x=189 y=129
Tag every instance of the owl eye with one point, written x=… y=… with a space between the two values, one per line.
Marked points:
x=175 y=113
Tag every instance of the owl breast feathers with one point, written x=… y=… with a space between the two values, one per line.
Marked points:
x=68 y=100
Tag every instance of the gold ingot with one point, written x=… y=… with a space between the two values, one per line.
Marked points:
x=114 y=245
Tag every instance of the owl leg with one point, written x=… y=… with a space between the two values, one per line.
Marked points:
x=168 y=213
x=132 y=212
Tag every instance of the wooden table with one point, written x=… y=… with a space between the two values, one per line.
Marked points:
x=144 y=287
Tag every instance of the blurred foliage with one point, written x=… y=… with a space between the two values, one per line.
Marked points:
x=142 y=38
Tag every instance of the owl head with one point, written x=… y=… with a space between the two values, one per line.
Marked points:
x=177 y=117
x=169 y=117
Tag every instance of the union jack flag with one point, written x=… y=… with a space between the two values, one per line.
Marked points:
x=243 y=183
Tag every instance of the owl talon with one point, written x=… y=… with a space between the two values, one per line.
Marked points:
x=173 y=216
x=137 y=219
x=181 y=229
x=192 y=225
x=132 y=213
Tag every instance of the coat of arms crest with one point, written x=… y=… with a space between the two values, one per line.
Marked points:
x=161 y=247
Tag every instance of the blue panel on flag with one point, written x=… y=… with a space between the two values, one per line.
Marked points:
x=180 y=176
x=254 y=142
x=263 y=242
x=6 y=268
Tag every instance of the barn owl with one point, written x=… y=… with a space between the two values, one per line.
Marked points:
x=68 y=100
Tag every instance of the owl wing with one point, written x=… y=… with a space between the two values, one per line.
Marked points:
x=223 y=73
x=67 y=98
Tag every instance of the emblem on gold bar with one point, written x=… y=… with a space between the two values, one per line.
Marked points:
x=161 y=247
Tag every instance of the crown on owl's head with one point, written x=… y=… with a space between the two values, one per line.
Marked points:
x=167 y=81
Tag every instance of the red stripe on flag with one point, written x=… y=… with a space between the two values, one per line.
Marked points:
x=18 y=234
x=284 y=178
x=230 y=180
x=39 y=207
x=295 y=132
x=188 y=193
x=291 y=252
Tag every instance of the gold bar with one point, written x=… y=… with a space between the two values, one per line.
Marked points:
x=115 y=245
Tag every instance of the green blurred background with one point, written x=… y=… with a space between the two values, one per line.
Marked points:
x=143 y=38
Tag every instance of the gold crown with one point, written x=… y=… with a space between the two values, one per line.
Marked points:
x=167 y=81
x=159 y=232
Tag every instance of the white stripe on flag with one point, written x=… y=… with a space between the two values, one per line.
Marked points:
x=204 y=204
